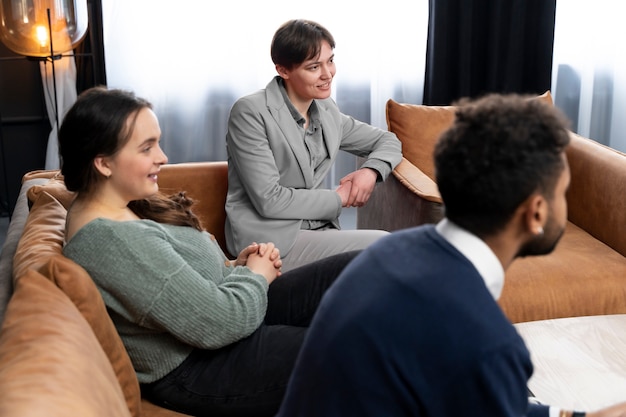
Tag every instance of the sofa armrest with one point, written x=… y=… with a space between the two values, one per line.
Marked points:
x=417 y=181
x=16 y=226
x=406 y=198
x=596 y=194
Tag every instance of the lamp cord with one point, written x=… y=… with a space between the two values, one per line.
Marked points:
x=54 y=76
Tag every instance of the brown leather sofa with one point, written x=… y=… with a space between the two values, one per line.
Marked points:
x=60 y=354
x=585 y=275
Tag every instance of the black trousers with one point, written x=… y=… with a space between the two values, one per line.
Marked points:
x=249 y=377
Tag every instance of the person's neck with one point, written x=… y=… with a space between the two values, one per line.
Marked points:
x=301 y=105
x=505 y=246
x=84 y=209
x=99 y=205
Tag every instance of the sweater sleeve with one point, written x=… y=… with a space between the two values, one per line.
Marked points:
x=495 y=386
x=144 y=275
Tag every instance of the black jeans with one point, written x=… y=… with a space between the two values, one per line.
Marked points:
x=249 y=377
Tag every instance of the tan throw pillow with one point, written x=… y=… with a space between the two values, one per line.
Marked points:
x=419 y=127
x=50 y=362
x=74 y=281
x=546 y=97
x=56 y=188
x=43 y=235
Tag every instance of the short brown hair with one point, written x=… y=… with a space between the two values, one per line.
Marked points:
x=297 y=40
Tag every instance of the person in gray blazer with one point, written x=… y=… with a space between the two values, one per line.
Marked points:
x=283 y=140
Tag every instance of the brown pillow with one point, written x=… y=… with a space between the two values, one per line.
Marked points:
x=56 y=188
x=418 y=127
x=50 y=362
x=41 y=173
x=43 y=235
x=76 y=283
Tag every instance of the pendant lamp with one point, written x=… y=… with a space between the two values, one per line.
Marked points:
x=42 y=29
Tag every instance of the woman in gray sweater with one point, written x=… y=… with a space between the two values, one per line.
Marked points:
x=206 y=335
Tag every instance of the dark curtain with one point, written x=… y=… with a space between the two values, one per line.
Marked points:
x=90 y=69
x=477 y=47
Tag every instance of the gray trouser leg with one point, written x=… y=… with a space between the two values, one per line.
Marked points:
x=312 y=245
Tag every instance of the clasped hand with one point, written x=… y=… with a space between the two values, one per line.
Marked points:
x=356 y=187
x=261 y=258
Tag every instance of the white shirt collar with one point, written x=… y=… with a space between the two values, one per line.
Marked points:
x=477 y=252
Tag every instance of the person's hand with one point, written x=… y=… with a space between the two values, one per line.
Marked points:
x=362 y=183
x=266 y=261
x=617 y=410
x=274 y=255
x=344 y=192
x=242 y=259
x=261 y=249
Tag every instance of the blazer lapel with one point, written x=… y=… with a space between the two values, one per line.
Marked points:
x=284 y=120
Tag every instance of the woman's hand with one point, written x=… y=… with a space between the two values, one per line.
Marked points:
x=242 y=259
x=362 y=183
x=265 y=261
x=260 y=249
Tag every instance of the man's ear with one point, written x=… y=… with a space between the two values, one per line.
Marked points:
x=101 y=163
x=536 y=214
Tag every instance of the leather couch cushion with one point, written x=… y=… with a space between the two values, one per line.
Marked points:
x=207 y=184
x=50 y=362
x=76 y=283
x=419 y=126
x=40 y=248
x=561 y=284
x=596 y=200
x=56 y=188
x=43 y=234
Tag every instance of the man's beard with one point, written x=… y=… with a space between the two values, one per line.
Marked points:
x=545 y=243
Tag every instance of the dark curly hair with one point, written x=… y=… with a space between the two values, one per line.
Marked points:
x=499 y=150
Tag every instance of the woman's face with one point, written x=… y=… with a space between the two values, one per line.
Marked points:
x=134 y=169
x=311 y=79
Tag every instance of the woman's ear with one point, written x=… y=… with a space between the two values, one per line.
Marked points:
x=101 y=163
x=282 y=71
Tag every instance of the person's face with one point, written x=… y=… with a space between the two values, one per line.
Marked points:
x=135 y=167
x=311 y=79
x=557 y=219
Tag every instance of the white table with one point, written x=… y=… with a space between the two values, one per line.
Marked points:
x=580 y=362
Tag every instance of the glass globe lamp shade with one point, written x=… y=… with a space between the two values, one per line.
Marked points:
x=25 y=27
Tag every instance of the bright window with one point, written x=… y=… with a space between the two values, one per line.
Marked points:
x=193 y=59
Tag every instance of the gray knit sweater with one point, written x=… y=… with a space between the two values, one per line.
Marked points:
x=168 y=289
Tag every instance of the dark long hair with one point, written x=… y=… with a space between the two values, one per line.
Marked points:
x=96 y=125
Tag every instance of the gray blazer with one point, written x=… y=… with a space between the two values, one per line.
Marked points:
x=271 y=184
